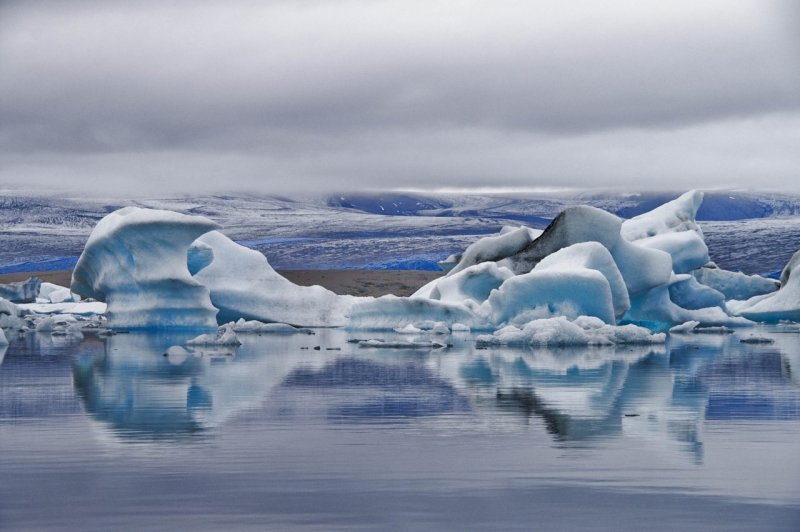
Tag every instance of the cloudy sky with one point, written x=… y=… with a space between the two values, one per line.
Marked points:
x=343 y=95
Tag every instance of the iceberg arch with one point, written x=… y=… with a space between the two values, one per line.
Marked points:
x=136 y=261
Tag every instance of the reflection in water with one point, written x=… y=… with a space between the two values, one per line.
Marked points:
x=656 y=394
x=277 y=434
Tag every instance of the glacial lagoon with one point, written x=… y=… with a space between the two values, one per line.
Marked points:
x=702 y=433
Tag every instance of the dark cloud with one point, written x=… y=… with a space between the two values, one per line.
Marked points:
x=285 y=95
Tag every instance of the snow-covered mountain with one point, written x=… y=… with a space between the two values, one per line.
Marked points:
x=748 y=231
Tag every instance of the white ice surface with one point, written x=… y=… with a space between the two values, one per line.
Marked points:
x=470 y=286
x=254 y=326
x=493 y=248
x=735 y=285
x=225 y=335
x=243 y=285
x=83 y=308
x=569 y=292
x=594 y=256
x=672 y=228
x=781 y=305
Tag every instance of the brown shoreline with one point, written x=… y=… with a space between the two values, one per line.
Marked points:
x=353 y=282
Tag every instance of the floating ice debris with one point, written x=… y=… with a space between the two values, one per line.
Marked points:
x=460 y=327
x=388 y=344
x=712 y=330
x=685 y=327
x=408 y=329
x=440 y=328
x=225 y=335
x=562 y=332
x=753 y=339
x=83 y=308
x=255 y=326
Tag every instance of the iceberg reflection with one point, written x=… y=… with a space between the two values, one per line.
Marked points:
x=139 y=389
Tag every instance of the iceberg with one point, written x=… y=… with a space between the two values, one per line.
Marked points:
x=641 y=268
x=162 y=269
x=136 y=261
x=21 y=291
x=773 y=307
x=572 y=226
x=243 y=285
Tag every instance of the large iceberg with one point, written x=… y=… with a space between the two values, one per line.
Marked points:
x=163 y=269
x=136 y=261
x=644 y=265
x=242 y=284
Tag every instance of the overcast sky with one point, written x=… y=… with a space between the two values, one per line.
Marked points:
x=342 y=95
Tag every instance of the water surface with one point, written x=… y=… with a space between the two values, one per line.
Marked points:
x=100 y=434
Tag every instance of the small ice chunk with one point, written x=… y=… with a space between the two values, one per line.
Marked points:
x=684 y=327
x=255 y=326
x=753 y=339
x=408 y=329
x=397 y=344
x=562 y=332
x=440 y=328
x=225 y=335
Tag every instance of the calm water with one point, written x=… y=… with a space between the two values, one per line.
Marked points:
x=110 y=434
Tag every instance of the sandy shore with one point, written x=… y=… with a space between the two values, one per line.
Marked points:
x=353 y=282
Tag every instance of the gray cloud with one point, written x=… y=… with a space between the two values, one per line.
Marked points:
x=293 y=95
